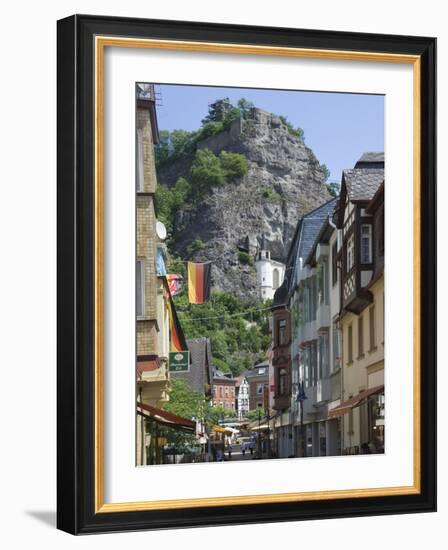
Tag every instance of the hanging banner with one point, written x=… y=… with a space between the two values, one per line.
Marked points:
x=199 y=282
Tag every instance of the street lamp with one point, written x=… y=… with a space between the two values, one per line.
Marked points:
x=300 y=398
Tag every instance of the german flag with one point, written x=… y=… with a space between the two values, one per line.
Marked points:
x=177 y=336
x=199 y=282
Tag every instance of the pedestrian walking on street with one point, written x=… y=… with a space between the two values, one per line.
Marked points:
x=251 y=446
x=230 y=452
x=243 y=447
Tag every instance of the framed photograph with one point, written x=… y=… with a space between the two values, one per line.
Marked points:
x=246 y=274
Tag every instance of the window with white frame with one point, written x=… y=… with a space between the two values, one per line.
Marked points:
x=366 y=243
x=350 y=252
x=322 y=282
x=140 y=288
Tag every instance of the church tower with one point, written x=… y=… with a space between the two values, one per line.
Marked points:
x=270 y=273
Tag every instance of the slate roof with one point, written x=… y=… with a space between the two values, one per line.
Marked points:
x=371 y=160
x=322 y=237
x=372 y=156
x=253 y=373
x=312 y=224
x=200 y=372
x=306 y=232
x=219 y=375
x=362 y=183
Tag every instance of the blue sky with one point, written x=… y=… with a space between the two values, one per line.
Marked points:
x=338 y=127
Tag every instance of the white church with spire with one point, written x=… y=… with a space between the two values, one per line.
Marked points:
x=270 y=273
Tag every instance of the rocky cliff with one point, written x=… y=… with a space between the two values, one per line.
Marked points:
x=284 y=181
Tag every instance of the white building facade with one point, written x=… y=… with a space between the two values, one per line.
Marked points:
x=270 y=273
x=313 y=301
x=243 y=398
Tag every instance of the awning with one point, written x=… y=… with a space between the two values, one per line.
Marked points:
x=260 y=428
x=254 y=426
x=232 y=430
x=165 y=417
x=219 y=429
x=347 y=406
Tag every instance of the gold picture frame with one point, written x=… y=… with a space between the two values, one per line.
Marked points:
x=99 y=33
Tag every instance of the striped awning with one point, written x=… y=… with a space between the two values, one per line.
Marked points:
x=347 y=406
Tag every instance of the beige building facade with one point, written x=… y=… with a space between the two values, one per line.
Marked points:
x=152 y=313
x=363 y=370
x=361 y=222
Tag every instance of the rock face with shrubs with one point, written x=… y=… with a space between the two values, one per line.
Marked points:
x=246 y=172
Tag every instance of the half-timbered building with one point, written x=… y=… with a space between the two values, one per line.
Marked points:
x=360 y=219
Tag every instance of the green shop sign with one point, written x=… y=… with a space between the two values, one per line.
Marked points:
x=179 y=361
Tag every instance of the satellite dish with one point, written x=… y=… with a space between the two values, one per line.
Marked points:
x=161 y=230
